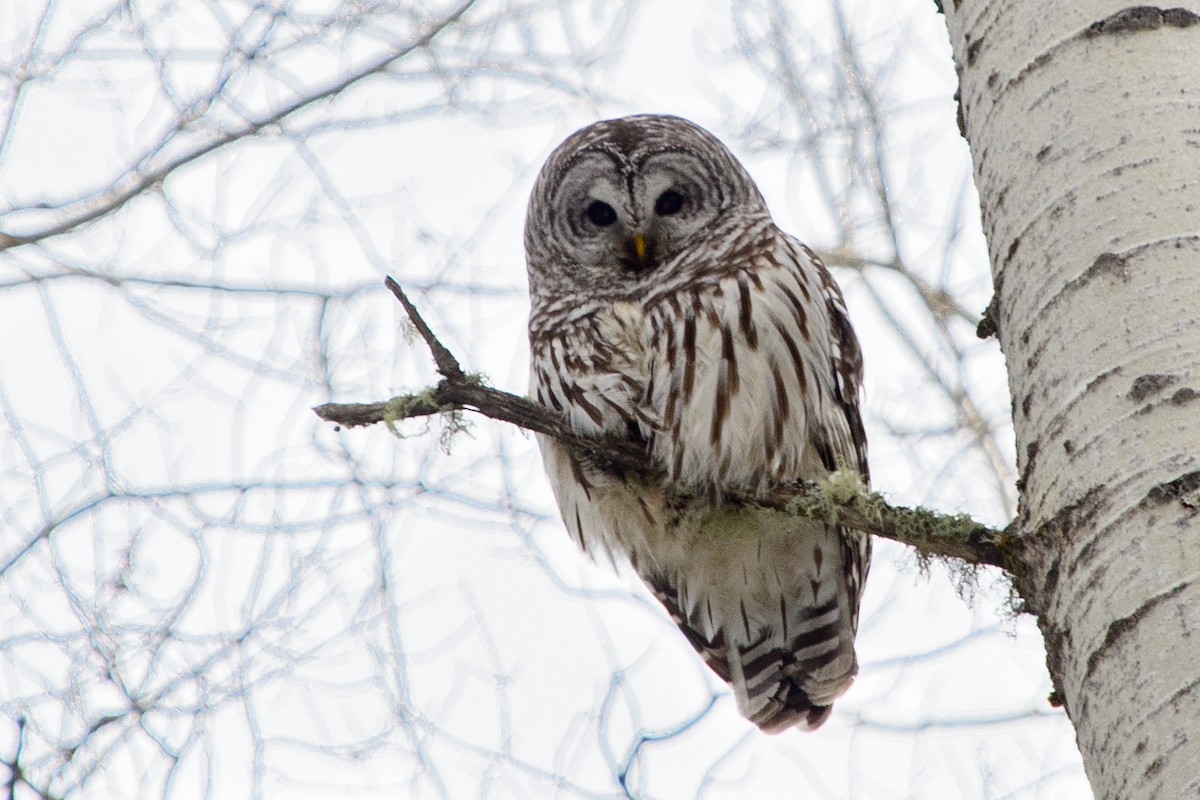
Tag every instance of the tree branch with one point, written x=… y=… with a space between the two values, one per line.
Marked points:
x=842 y=499
x=147 y=174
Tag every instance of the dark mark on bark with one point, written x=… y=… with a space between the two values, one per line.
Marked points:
x=1031 y=454
x=1136 y=19
x=1183 y=396
x=1166 y=492
x=959 y=117
x=1145 y=386
x=1045 y=542
x=1056 y=644
x=1101 y=378
x=1106 y=263
x=1012 y=251
x=1119 y=627
x=1052 y=576
x=1071 y=516
x=1116 y=171
x=1180 y=17
x=973 y=51
x=1129 y=20
x=1172 y=701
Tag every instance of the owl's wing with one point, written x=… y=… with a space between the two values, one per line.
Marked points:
x=590 y=370
x=754 y=380
x=846 y=364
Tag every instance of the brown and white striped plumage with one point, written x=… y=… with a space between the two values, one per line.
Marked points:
x=667 y=307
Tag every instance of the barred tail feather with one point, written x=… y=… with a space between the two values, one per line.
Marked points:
x=774 y=692
x=778 y=687
x=784 y=640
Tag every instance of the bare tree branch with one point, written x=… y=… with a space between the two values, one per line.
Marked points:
x=143 y=177
x=841 y=500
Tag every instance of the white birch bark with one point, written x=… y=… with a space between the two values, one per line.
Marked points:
x=1084 y=125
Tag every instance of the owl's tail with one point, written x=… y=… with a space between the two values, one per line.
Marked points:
x=776 y=619
x=792 y=680
x=803 y=657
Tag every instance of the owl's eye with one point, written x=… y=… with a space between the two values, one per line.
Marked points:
x=668 y=203
x=601 y=213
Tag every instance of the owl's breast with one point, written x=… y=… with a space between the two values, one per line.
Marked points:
x=594 y=370
x=620 y=329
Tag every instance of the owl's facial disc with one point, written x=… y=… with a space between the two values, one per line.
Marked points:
x=611 y=229
x=649 y=240
x=642 y=232
x=631 y=215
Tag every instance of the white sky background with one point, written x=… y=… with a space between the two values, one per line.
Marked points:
x=206 y=592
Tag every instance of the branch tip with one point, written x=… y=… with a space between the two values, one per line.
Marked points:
x=446 y=363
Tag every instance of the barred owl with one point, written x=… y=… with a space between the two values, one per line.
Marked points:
x=668 y=308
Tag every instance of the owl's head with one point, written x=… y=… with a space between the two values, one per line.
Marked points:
x=622 y=198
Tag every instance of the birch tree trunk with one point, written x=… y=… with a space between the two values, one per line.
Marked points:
x=1084 y=124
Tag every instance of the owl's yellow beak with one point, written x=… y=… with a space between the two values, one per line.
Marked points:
x=639 y=251
x=639 y=245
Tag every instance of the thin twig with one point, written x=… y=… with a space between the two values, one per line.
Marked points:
x=447 y=364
